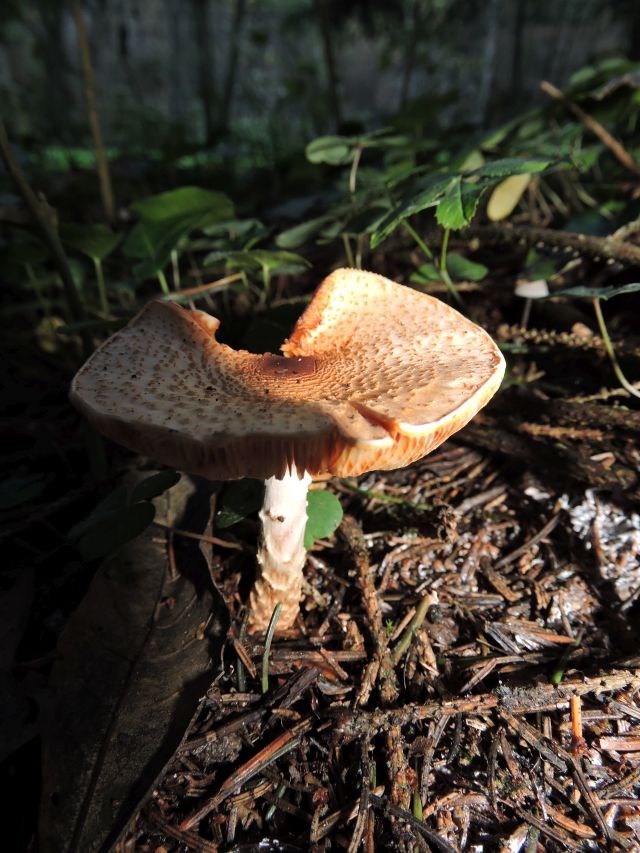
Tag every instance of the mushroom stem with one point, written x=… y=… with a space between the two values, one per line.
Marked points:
x=281 y=552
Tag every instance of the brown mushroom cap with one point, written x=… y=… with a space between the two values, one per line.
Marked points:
x=374 y=376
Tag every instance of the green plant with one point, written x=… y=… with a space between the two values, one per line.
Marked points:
x=597 y=295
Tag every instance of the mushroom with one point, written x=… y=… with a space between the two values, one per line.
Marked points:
x=374 y=376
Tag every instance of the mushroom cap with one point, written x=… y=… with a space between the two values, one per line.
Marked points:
x=374 y=376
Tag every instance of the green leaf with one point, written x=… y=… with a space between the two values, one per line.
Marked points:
x=499 y=134
x=532 y=128
x=426 y=273
x=582 y=292
x=149 y=239
x=587 y=157
x=462 y=268
x=583 y=77
x=426 y=194
x=113 y=530
x=20 y=490
x=200 y=206
x=470 y=160
x=324 y=514
x=297 y=235
x=280 y=261
x=334 y=150
x=95 y=241
x=152 y=241
x=458 y=206
x=238 y=500
x=367 y=220
x=236 y=233
x=167 y=219
x=154 y=486
x=512 y=166
x=273 y=261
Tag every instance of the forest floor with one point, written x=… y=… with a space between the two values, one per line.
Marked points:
x=464 y=673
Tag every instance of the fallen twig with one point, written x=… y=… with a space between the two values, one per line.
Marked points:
x=605 y=248
x=355 y=541
x=266 y=756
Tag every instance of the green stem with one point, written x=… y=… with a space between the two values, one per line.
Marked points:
x=266 y=284
x=280 y=792
x=175 y=267
x=359 y=250
x=164 y=284
x=347 y=250
x=622 y=379
x=444 y=273
x=442 y=266
x=416 y=622
x=417 y=805
x=102 y=288
x=381 y=496
x=422 y=245
x=443 y=250
x=558 y=672
x=354 y=169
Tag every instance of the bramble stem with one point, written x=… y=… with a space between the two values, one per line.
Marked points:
x=281 y=552
x=88 y=81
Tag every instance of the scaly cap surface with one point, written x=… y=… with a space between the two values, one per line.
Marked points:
x=374 y=376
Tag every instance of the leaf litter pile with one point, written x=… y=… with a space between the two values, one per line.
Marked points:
x=464 y=676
